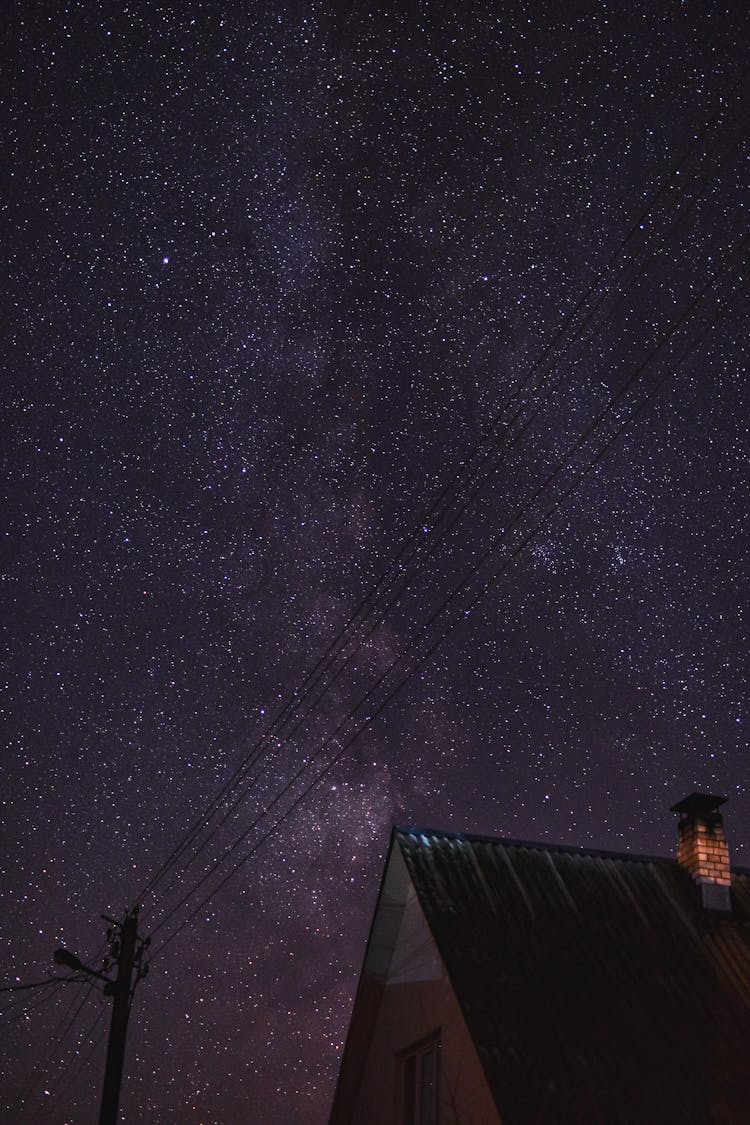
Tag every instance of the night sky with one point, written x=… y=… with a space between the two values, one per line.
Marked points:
x=272 y=273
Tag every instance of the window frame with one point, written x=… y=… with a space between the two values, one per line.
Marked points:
x=411 y=1078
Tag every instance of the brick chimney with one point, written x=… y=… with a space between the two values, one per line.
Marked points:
x=702 y=849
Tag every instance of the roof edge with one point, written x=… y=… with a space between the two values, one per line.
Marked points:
x=539 y=845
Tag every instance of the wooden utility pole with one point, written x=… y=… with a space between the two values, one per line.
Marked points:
x=128 y=953
x=120 y=990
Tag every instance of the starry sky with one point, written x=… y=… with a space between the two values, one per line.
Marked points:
x=273 y=274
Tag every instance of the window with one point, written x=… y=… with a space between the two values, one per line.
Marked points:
x=420 y=1082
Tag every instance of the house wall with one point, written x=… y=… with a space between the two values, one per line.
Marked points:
x=415 y=1001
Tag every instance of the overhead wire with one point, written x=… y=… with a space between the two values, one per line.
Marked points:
x=443 y=500
x=426 y=656
x=64 y=1027
x=78 y=1061
x=402 y=580
x=39 y=984
x=22 y=1009
x=23 y=1005
x=578 y=444
x=381 y=614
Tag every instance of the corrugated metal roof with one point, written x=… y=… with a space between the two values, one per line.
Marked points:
x=594 y=984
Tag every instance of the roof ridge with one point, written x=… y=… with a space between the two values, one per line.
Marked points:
x=540 y=845
x=537 y=845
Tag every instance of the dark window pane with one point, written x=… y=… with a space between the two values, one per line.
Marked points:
x=428 y=1090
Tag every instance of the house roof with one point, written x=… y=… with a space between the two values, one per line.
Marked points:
x=594 y=984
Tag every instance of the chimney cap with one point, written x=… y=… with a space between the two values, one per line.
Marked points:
x=699 y=804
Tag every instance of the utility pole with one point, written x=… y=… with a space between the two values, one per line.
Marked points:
x=126 y=950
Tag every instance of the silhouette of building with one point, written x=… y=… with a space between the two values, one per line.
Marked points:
x=530 y=984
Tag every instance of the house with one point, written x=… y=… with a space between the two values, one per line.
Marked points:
x=532 y=984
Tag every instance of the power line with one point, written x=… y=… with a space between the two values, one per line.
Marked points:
x=75 y=1066
x=226 y=816
x=426 y=656
x=64 y=1028
x=23 y=1006
x=578 y=445
x=40 y=984
x=342 y=639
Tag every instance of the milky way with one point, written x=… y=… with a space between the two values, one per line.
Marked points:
x=272 y=274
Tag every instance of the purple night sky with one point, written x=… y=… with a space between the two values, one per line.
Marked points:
x=272 y=274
